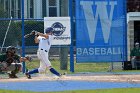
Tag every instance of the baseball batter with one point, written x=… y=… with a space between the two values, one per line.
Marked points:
x=44 y=41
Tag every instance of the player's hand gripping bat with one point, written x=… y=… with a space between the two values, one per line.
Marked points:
x=30 y=34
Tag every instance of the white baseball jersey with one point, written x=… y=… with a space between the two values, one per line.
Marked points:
x=44 y=47
x=45 y=43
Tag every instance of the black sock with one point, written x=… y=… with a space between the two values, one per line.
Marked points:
x=54 y=72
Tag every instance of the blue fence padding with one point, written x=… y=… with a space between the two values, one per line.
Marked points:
x=5 y=19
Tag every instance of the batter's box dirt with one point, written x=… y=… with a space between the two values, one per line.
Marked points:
x=81 y=77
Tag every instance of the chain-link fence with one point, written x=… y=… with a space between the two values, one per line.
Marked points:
x=10 y=33
x=34 y=12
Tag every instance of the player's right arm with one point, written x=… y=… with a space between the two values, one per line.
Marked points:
x=36 y=39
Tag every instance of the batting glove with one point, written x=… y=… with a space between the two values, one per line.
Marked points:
x=29 y=58
x=34 y=32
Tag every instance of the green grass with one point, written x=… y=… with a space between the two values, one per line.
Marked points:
x=120 y=90
x=79 y=67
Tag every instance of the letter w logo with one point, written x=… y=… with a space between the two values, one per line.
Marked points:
x=102 y=13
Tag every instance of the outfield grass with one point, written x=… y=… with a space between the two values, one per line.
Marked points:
x=120 y=90
x=78 y=67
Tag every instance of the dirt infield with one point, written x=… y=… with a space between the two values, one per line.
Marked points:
x=83 y=77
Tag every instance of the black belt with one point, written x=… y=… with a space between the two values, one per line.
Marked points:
x=44 y=50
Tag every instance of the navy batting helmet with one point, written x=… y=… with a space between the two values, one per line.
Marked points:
x=48 y=30
x=11 y=49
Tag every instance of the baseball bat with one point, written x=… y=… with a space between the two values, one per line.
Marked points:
x=27 y=35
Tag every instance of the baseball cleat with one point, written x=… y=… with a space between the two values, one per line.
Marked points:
x=63 y=74
x=12 y=75
x=28 y=75
x=58 y=77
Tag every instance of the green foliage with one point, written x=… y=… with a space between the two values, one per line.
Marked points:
x=2 y=13
x=13 y=35
x=13 y=32
x=30 y=26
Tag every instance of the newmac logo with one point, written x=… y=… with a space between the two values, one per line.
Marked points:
x=58 y=29
x=102 y=13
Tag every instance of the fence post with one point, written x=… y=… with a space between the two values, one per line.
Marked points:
x=63 y=58
x=23 y=45
x=71 y=46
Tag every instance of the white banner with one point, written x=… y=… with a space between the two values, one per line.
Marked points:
x=61 y=29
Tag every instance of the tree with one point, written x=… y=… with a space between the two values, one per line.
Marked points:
x=12 y=37
x=30 y=26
